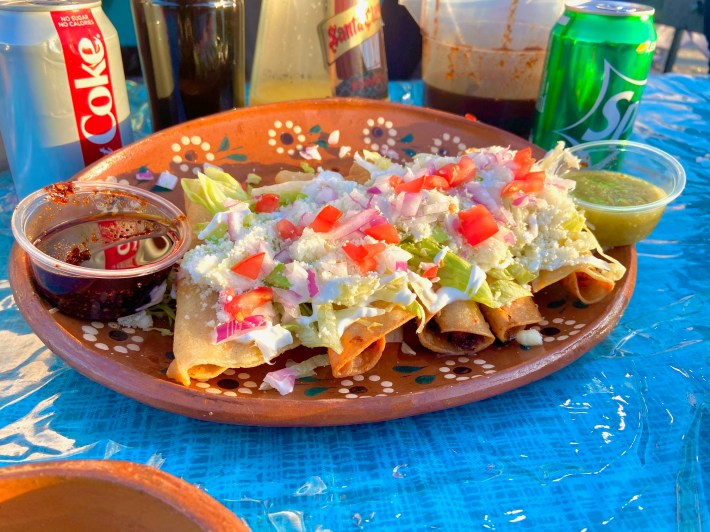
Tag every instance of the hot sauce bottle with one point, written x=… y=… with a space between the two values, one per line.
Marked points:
x=354 y=48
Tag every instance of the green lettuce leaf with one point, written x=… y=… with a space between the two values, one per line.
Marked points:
x=356 y=290
x=211 y=188
x=504 y=292
x=323 y=332
x=277 y=279
x=382 y=162
x=454 y=271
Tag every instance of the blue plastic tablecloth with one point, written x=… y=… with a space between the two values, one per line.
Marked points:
x=619 y=440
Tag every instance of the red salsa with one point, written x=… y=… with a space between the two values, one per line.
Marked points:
x=110 y=242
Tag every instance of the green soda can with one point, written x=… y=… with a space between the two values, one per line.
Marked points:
x=599 y=56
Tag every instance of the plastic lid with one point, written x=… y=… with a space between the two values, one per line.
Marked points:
x=611 y=8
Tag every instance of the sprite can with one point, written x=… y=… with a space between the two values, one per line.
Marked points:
x=598 y=60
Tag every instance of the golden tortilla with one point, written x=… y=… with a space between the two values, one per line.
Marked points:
x=509 y=320
x=364 y=341
x=457 y=318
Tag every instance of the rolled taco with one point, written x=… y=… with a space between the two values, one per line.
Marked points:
x=364 y=341
x=587 y=283
x=550 y=277
x=459 y=328
x=509 y=320
x=196 y=356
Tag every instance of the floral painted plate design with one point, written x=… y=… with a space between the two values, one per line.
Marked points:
x=265 y=140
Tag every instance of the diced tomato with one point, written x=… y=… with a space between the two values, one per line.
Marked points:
x=243 y=305
x=523 y=161
x=428 y=182
x=267 y=203
x=528 y=184
x=457 y=173
x=250 y=267
x=364 y=255
x=355 y=252
x=538 y=177
x=415 y=185
x=430 y=272
x=512 y=188
x=467 y=171
x=469 y=116
x=287 y=230
x=477 y=224
x=447 y=170
x=436 y=181
x=385 y=232
x=326 y=219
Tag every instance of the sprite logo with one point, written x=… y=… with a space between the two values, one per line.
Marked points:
x=613 y=113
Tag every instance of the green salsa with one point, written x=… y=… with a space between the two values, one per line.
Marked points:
x=603 y=187
x=600 y=189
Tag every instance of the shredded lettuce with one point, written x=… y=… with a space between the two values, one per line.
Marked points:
x=277 y=279
x=321 y=331
x=253 y=179
x=285 y=379
x=211 y=188
x=484 y=296
x=575 y=223
x=439 y=235
x=382 y=162
x=456 y=272
x=514 y=272
x=281 y=189
x=212 y=231
x=307 y=168
x=520 y=273
x=504 y=292
x=357 y=290
x=395 y=291
x=287 y=198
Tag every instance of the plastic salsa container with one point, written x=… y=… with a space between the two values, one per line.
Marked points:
x=624 y=188
x=100 y=250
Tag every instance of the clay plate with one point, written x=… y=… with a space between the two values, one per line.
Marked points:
x=105 y=495
x=264 y=140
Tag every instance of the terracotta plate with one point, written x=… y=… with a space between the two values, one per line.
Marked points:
x=265 y=140
x=106 y=495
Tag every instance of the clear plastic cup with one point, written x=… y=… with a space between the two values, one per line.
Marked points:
x=100 y=250
x=616 y=215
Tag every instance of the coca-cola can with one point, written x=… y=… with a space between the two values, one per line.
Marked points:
x=63 y=98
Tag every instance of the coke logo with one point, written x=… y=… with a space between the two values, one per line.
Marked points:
x=89 y=75
x=100 y=126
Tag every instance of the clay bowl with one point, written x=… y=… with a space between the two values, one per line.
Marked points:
x=106 y=495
